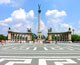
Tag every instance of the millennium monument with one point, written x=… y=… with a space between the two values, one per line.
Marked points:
x=39 y=31
x=27 y=36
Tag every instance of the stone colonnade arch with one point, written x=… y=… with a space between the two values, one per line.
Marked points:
x=59 y=36
x=19 y=36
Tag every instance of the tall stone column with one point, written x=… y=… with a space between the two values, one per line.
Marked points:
x=39 y=31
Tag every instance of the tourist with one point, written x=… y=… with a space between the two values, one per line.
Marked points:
x=56 y=42
x=2 y=42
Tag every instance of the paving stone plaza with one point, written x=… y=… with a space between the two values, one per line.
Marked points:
x=40 y=54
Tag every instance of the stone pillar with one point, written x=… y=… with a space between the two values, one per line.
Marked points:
x=65 y=37
x=39 y=31
x=16 y=37
x=49 y=36
x=24 y=37
x=12 y=37
x=19 y=37
x=9 y=36
x=62 y=37
x=59 y=37
x=69 y=37
x=29 y=36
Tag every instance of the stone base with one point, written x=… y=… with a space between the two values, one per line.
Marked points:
x=70 y=41
x=40 y=42
x=30 y=42
x=8 y=41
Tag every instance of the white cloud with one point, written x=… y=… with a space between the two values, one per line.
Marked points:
x=66 y=25
x=13 y=3
x=5 y=1
x=19 y=14
x=19 y=20
x=8 y=19
x=43 y=28
x=3 y=24
x=28 y=24
x=17 y=3
x=22 y=14
x=30 y=14
x=55 y=18
x=55 y=13
x=17 y=25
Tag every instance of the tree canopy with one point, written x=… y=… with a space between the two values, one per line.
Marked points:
x=75 y=37
x=2 y=37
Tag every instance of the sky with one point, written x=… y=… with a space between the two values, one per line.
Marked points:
x=22 y=14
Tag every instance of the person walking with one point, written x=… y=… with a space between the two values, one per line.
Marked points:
x=55 y=41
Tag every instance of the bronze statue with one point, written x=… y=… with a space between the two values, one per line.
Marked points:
x=9 y=28
x=39 y=6
x=29 y=30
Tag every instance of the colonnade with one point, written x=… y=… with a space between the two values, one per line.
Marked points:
x=66 y=36
x=19 y=37
x=60 y=37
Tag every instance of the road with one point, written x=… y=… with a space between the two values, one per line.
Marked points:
x=40 y=54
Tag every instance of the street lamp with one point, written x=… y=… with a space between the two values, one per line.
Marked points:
x=73 y=30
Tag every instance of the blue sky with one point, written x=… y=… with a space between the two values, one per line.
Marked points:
x=23 y=14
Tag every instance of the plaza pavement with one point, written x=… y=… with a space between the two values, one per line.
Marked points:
x=40 y=54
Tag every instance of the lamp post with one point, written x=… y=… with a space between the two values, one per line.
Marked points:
x=73 y=30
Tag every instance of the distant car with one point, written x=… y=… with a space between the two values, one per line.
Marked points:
x=46 y=41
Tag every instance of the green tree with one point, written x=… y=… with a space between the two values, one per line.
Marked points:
x=75 y=38
x=2 y=37
x=43 y=37
x=34 y=36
